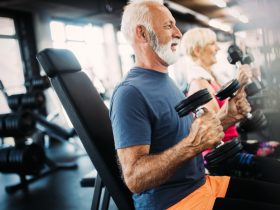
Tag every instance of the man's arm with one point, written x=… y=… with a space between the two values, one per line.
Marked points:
x=142 y=171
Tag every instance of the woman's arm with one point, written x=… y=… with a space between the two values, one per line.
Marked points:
x=199 y=84
x=231 y=112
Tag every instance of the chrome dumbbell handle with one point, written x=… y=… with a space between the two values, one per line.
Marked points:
x=220 y=144
x=249 y=116
x=199 y=112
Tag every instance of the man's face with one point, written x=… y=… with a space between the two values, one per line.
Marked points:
x=165 y=37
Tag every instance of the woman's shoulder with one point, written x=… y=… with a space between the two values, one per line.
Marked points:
x=196 y=72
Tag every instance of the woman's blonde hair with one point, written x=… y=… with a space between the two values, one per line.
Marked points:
x=196 y=37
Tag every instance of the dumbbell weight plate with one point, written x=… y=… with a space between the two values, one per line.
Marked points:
x=226 y=147
x=253 y=88
x=23 y=159
x=228 y=89
x=226 y=155
x=191 y=103
x=4 y=155
x=261 y=121
x=234 y=54
x=247 y=59
x=257 y=122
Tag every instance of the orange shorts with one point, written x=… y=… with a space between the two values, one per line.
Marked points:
x=204 y=197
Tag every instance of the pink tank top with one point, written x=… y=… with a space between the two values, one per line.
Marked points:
x=231 y=132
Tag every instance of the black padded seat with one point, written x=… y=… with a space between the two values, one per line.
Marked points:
x=89 y=116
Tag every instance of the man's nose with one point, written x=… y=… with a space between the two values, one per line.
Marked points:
x=177 y=33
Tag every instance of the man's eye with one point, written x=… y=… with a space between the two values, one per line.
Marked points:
x=168 y=26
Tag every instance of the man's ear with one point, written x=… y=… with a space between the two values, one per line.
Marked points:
x=196 y=51
x=141 y=33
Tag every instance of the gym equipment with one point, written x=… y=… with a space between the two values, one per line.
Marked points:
x=90 y=120
x=32 y=100
x=18 y=125
x=23 y=159
x=248 y=166
x=33 y=84
x=37 y=83
x=227 y=158
x=53 y=130
x=255 y=120
x=249 y=59
x=28 y=160
x=36 y=100
x=218 y=160
x=235 y=56
x=192 y=104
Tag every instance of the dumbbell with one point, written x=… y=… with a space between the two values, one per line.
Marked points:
x=254 y=120
x=249 y=59
x=217 y=160
x=38 y=83
x=23 y=159
x=192 y=104
x=257 y=122
x=17 y=125
x=235 y=56
x=32 y=100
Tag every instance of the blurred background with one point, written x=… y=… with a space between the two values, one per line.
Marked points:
x=91 y=29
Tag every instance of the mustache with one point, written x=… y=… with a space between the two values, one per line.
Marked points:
x=175 y=41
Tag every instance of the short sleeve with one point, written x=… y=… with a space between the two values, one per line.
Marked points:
x=130 y=118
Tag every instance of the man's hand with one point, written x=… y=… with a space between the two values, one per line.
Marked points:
x=206 y=131
x=234 y=110
x=143 y=170
x=244 y=74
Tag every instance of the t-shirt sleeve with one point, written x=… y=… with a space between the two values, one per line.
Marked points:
x=130 y=118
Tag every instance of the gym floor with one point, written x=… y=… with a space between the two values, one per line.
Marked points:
x=59 y=191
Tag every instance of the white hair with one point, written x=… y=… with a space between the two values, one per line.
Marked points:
x=196 y=37
x=136 y=13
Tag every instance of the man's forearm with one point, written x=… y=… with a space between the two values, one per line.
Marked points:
x=152 y=170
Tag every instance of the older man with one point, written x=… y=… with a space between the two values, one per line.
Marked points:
x=160 y=153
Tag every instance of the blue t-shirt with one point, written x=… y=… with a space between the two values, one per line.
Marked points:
x=142 y=113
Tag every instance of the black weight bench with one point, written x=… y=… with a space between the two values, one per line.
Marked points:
x=90 y=118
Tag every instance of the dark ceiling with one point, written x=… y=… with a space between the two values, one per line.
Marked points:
x=100 y=11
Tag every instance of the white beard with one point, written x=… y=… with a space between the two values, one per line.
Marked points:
x=164 y=51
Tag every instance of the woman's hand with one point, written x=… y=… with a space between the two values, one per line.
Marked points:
x=244 y=74
x=234 y=110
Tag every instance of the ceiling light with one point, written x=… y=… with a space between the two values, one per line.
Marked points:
x=220 y=25
x=243 y=18
x=219 y=3
x=233 y=12
x=184 y=10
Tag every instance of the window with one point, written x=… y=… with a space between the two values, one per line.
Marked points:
x=126 y=53
x=11 y=66
x=95 y=48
